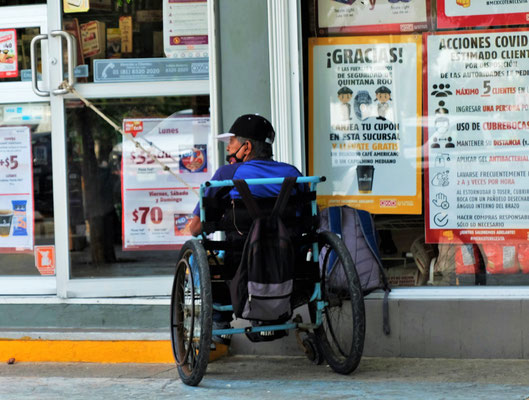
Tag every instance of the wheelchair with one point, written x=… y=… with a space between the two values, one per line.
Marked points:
x=325 y=280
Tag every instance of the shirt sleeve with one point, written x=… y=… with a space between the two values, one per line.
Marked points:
x=223 y=173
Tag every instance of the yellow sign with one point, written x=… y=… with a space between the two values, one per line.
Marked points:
x=365 y=108
x=75 y=6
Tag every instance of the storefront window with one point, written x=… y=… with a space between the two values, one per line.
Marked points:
x=26 y=190
x=417 y=114
x=127 y=41
x=98 y=226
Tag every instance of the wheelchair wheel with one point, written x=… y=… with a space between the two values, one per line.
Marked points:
x=191 y=308
x=342 y=332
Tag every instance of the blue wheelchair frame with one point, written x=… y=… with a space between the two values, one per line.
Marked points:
x=316 y=295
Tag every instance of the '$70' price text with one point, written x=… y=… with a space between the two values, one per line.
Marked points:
x=9 y=162
x=141 y=213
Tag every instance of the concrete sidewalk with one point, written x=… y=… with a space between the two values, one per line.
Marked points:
x=258 y=377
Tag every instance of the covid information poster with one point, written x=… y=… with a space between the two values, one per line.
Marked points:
x=477 y=136
x=372 y=16
x=365 y=122
x=16 y=190
x=157 y=206
x=470 y=13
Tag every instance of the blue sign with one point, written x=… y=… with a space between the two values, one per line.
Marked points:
x=81 y=71
x=25 y=75
x=150 y=69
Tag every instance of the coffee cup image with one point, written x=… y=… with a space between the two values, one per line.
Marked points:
x=6 y=216
x=364 y=176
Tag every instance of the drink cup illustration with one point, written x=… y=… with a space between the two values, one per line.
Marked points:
x=6 y=216
x=364 y=175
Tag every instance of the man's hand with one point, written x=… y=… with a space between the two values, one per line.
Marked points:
x=195 y=227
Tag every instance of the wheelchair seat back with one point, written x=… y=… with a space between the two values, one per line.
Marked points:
x=232 y=217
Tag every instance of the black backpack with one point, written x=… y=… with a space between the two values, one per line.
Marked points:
x=262 y=286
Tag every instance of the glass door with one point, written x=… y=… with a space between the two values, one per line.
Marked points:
x=27 y=219
x=139 y=62
x=145 y=63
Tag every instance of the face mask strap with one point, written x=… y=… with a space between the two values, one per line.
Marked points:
x=233 y=156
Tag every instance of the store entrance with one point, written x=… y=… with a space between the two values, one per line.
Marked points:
x=27 y=223
x=117 y=57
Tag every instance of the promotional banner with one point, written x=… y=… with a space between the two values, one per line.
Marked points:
x=8 y=53
x=469 y=13
x=185 y=28
x=16 y=190
x=157 y=206
x=364 y=122
x=477 y=136
x=365 y=16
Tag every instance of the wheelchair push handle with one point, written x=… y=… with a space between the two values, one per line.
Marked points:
x=265 y=181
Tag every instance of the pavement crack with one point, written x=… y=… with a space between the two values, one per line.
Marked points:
x=161 y=372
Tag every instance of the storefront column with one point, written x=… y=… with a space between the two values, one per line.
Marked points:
x=286 y=81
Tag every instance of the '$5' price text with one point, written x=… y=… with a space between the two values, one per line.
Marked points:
x=141 y=213
x=9 y=162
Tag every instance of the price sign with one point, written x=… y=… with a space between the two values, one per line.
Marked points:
x=141 y=157
x=9 y=162
x=140 y=215
x=156 y=206
x=8 y=53
x=16 y=190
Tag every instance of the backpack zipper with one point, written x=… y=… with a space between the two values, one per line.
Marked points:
x=267 y=297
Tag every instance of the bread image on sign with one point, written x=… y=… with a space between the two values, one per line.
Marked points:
x=195 y=160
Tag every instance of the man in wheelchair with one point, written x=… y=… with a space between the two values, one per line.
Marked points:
x=319 y=270
x=250 y=140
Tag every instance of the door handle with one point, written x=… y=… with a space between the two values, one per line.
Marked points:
x=72 y=57
x=34 y=72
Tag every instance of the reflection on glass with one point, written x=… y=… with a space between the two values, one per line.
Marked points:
x=94 y=180
x=36 y=116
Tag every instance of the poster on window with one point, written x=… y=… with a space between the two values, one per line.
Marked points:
x=185 y=28
x=470 y=13
x=382 y=16
x=477 y=137
x=157 y=205
x=8 y=53
x=16 y=190
x=365 y=121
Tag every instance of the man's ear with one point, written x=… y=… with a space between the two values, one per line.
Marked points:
x=249 y=147
x=247 y=151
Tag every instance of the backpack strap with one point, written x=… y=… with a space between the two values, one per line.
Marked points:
x=247 y=198
x=284 y=194
x=335 y=226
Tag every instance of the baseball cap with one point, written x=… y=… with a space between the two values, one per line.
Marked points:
x=251 y=126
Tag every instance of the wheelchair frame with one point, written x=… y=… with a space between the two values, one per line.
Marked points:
x=317 y=345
